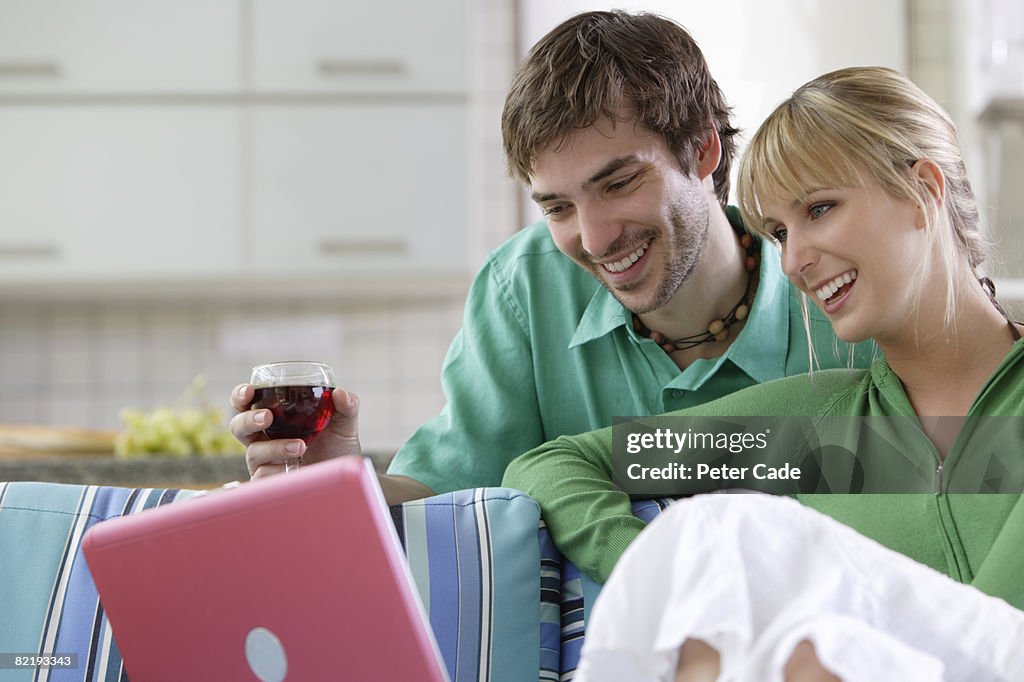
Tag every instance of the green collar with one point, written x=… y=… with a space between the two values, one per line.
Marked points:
x=761 y=348
x=888 y=387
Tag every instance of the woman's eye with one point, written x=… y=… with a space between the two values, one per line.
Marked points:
x=779 y=234
x=818 y=210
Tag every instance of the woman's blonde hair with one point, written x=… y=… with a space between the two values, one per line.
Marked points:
x=866 y=119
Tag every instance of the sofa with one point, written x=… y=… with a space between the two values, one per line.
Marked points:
x=503 y=604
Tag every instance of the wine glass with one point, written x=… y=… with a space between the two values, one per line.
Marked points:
x=298 y=394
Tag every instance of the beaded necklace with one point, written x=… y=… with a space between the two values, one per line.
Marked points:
x=718 y=329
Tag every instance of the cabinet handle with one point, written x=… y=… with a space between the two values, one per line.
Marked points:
x=361 y=67
x=47 y=251
x=28 y=69
x=351 y=247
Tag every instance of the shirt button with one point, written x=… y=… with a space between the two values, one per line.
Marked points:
x=677 y=394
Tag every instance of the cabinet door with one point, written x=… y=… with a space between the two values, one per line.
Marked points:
x=101 y=192
x=357 y=189
x=104 y=46
x=378 y=46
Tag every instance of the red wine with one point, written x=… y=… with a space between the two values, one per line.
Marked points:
x=299 y=411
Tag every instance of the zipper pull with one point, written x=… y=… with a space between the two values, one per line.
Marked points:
x=938 y=480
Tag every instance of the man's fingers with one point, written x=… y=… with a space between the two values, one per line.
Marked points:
x=346 y=403
x=241 y=397
x=272 y=452
x=345 y=421
x=267 y=470
x=246 y=426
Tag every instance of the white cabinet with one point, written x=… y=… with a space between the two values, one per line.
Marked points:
x=367 y=47
x=148 y=140
x=108 y=192
x=365 y=189
x=103 y=46
x=359 y=165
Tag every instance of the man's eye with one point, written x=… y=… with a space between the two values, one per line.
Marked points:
x=779 y=234
x=553 y=211
x=818 y=210
x=622 y=184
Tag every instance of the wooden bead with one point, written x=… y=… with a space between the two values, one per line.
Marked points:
x=751 y=263
x=716 y=328
x=668 y=347
x=742 y=311
x=722 y=335
x=746 y=241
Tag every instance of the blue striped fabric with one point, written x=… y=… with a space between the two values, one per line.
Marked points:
x=550 y=607
x=475 y=555
x=579 y=592
x=475 y=558
x=572 y=611
x=47 y=598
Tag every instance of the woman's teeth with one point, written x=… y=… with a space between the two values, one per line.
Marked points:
x=621 y=265
x=830 y=288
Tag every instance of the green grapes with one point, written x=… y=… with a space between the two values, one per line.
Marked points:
x=182 y=430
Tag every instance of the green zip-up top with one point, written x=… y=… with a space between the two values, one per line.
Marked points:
x=973 y=538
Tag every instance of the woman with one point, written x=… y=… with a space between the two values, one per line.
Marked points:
x=859 y=178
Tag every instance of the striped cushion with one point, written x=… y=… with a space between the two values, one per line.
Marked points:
x=475 y=556
x=47 y=598
x=579 y=591
x=550 y=608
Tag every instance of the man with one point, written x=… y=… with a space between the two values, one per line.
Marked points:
x=641 y=294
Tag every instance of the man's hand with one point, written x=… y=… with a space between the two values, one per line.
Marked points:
x=266 y=457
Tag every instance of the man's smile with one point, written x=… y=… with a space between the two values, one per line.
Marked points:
x=628 y=261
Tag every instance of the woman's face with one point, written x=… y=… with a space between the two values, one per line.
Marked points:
x=855 y=252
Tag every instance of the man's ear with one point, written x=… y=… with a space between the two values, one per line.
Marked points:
x=929 y=173
x=709 y=153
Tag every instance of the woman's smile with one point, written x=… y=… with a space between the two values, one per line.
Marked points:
x=835 y=292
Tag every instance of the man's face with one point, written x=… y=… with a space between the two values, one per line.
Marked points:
x=618 y=204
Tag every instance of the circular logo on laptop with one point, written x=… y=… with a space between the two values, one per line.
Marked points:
x=265 y=654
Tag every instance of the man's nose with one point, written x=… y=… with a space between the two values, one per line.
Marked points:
x=598 y=232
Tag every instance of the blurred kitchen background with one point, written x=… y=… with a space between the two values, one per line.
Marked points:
x=192 y=187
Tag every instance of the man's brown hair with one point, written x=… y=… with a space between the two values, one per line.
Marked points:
x=601 y=64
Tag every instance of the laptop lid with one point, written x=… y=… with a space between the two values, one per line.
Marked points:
x=297 y=577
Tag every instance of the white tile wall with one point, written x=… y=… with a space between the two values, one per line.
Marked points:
x=78 y=366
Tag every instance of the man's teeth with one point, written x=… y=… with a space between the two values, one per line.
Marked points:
x=621 y=265
x=832 y=287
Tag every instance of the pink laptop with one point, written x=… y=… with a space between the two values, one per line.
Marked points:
x=298 y=577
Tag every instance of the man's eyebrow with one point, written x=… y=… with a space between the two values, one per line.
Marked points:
x=609 y=168
x=606 y=170
x=538 y=197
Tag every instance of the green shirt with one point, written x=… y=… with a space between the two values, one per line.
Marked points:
x=546 y=351
x=974 y=538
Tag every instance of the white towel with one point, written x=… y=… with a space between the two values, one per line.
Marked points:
x=754 y=575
